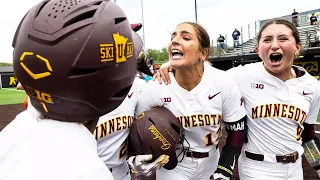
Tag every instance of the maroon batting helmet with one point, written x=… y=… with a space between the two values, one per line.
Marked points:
x=76 y=59
x=157 y=131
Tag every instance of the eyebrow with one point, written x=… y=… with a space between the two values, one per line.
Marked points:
x=182 y=32
x=281 y=35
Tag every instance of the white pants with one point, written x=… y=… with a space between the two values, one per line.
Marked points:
x=192 y=168
x=121 y=172
x=261 y=170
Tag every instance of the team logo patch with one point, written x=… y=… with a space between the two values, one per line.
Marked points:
x=118 y=51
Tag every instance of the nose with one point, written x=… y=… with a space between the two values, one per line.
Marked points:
x=275 y=45
x=175 y=41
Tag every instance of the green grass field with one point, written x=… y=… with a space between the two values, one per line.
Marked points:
x=11 y=96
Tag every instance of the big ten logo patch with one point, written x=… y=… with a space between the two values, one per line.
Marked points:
x=41 y=96
x=257 y=86
x=167 y=99
x=119 y=51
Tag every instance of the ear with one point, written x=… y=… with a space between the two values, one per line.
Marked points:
x=257 y=49
x=298 y=46
x=204 y=54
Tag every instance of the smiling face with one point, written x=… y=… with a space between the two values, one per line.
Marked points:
x=277 y=47
x=185 y=49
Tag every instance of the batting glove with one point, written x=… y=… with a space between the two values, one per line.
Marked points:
x=219 y=176
x=140 y=166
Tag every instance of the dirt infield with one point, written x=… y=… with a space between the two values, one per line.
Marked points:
x=8 y=113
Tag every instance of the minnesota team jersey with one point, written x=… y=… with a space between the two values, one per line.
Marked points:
x=200 y=110
x=34 y=148
x=113 y=128
x=276 y=109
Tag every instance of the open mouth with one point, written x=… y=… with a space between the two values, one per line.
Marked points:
x=176 y=53
x=275 y=57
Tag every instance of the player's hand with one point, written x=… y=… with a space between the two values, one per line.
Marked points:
x=163 y=74
x=140 y=165
x=219 y=176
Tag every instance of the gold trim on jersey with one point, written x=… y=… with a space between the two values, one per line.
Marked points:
x=199 y=120
x=279 y=110
x=113 y=125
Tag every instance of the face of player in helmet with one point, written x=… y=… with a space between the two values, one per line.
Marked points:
x=277 y=48
x=184 y=48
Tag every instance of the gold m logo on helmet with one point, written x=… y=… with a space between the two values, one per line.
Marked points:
x=39 y=75
x=119 y=51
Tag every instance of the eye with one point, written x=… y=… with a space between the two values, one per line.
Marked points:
x=266 y=40
x=187 y=39
x=283 y=39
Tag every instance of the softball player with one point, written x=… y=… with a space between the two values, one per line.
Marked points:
x=282 y=102
x=201 y=97
x=112 y=131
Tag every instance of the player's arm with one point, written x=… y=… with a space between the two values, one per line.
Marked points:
x=234 y=117
x=148 y=98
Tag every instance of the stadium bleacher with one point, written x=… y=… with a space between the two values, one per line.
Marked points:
x=307 y=36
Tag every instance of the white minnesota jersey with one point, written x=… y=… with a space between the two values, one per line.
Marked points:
x=200 y=110
x=276 y=109
x=113 y=128
x=33 y=148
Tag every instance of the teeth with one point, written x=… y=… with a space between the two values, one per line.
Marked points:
x=176 y=51
x=275 y=54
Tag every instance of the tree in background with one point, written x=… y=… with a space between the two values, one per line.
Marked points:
x=158 y=56
x=5 y=64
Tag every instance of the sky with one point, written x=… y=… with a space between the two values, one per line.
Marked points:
x=162 y=16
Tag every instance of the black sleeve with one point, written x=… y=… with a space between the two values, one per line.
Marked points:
x=237 y=135
x=308 y=132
